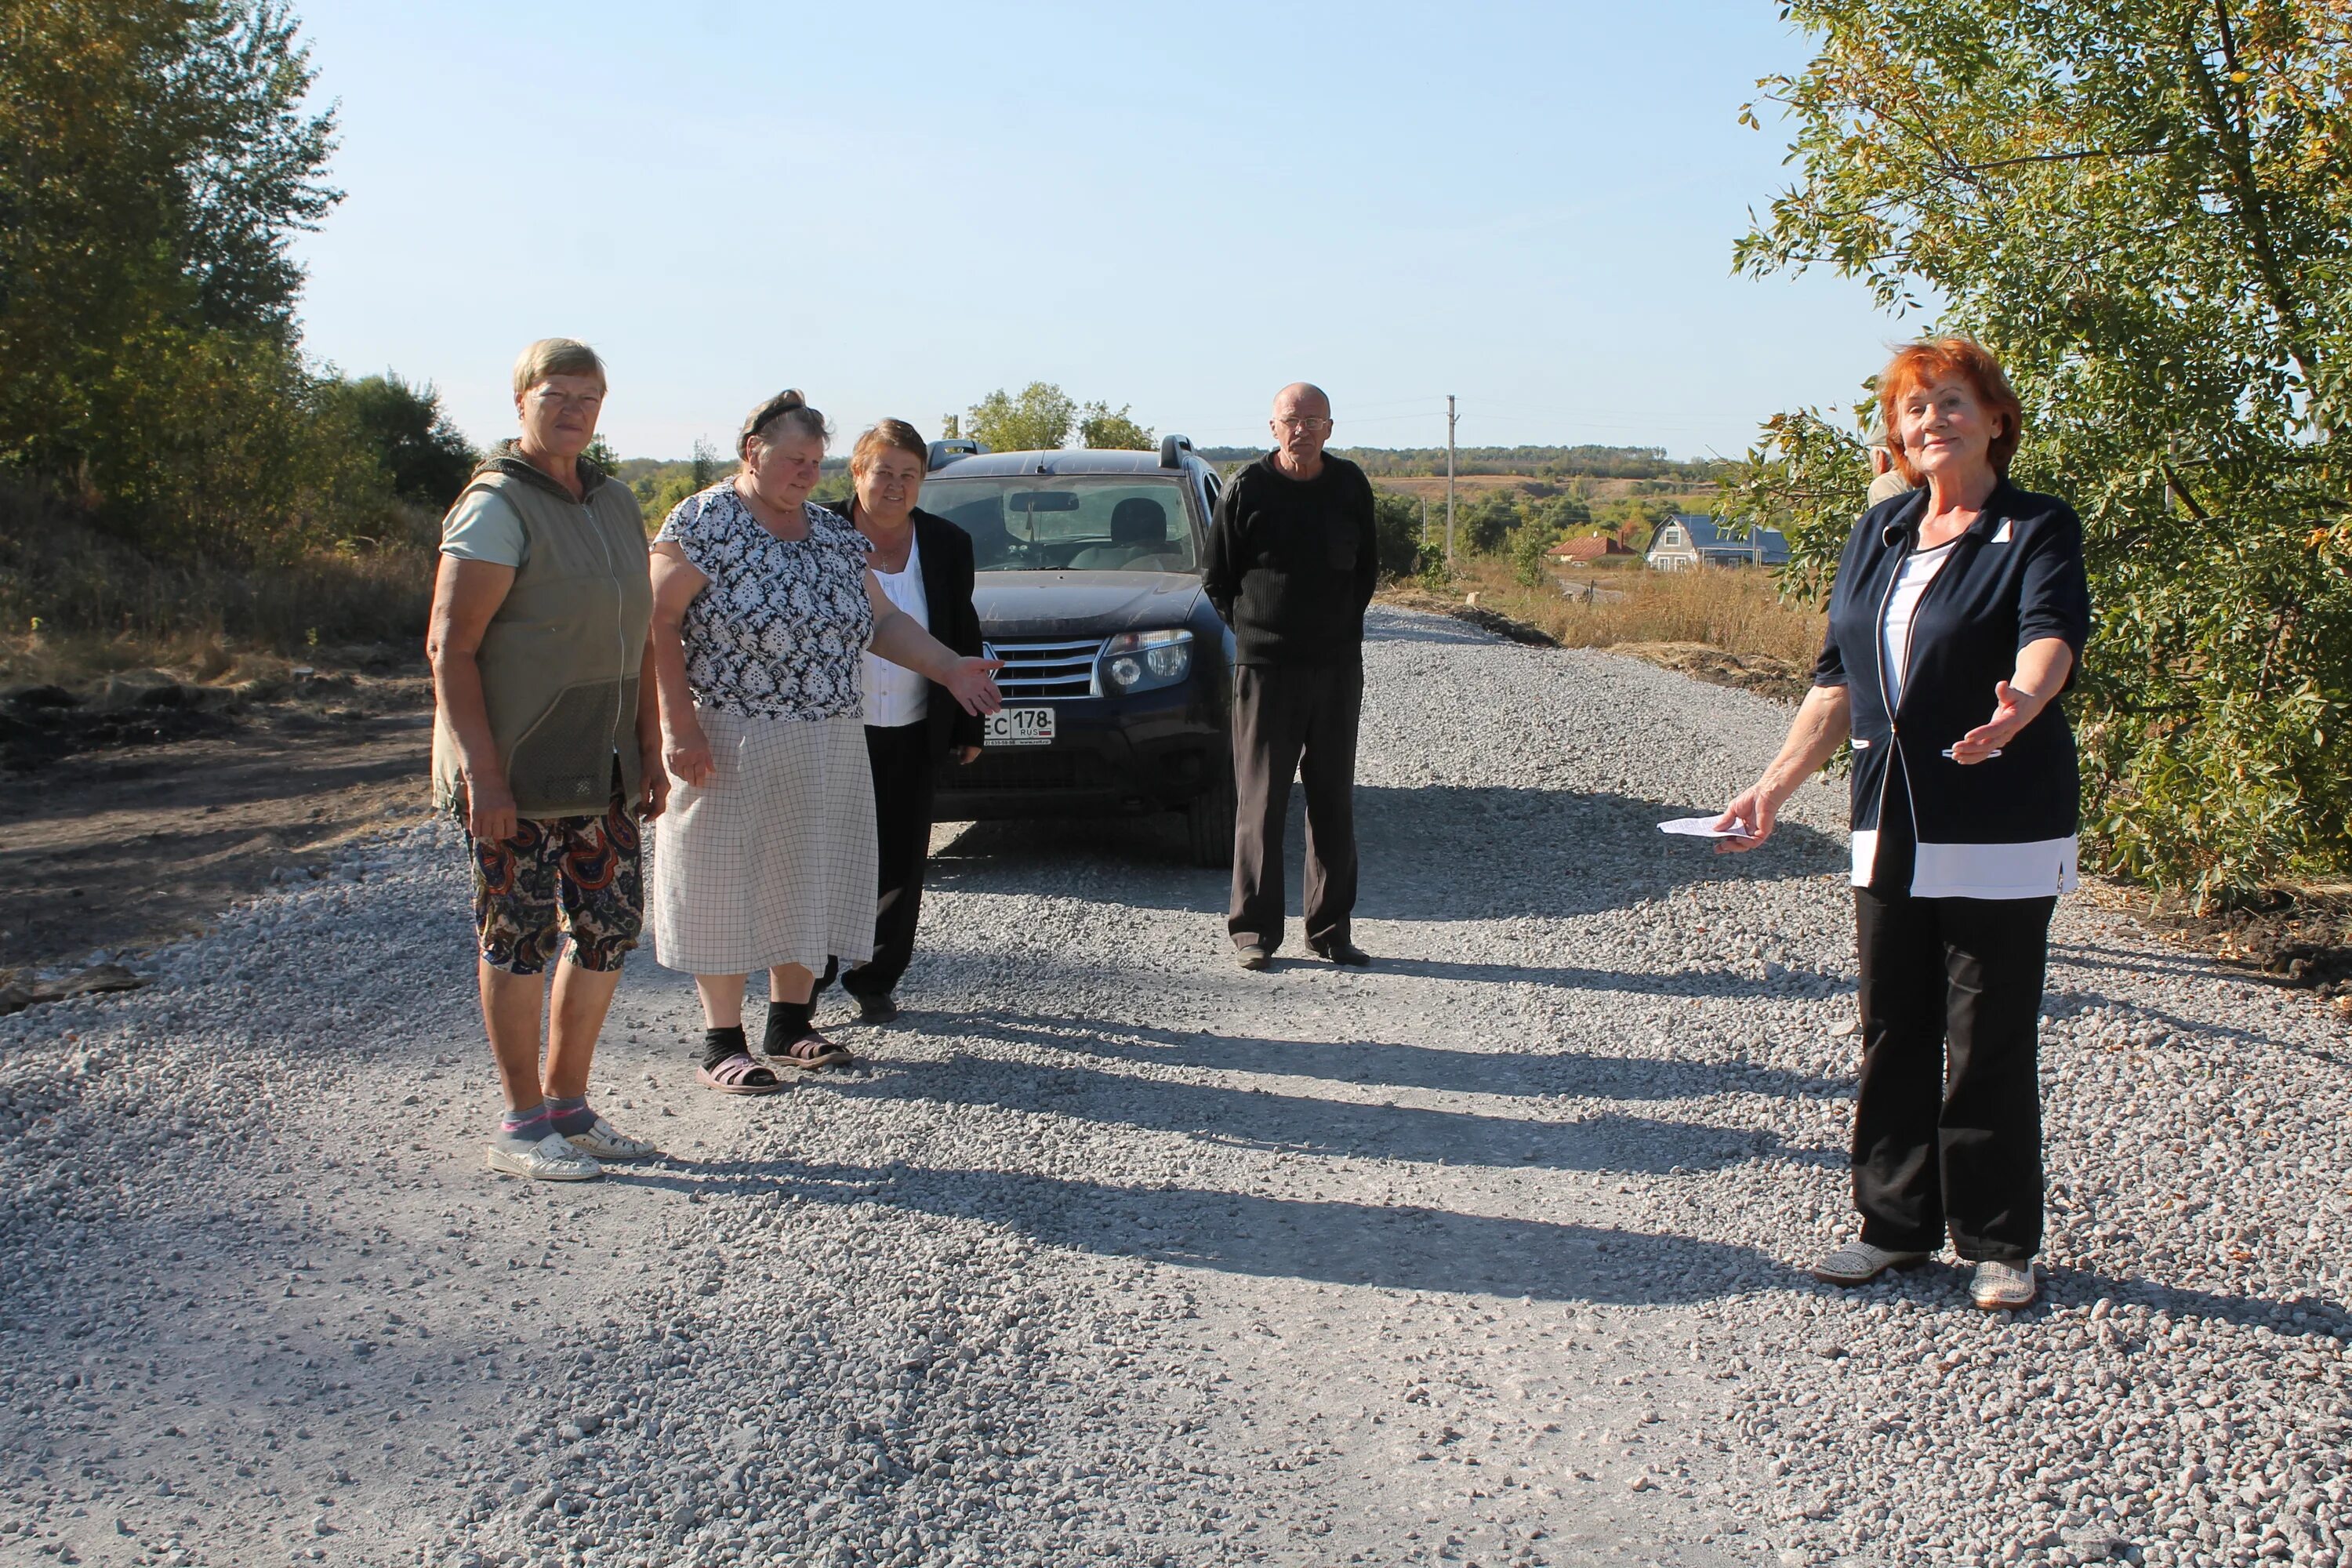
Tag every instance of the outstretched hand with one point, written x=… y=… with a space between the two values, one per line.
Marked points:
x=2013 y=709
x=970 y=683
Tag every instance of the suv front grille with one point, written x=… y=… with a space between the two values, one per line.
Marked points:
x=1047 y=669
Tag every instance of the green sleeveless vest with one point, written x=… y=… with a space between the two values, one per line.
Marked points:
x=560 y=657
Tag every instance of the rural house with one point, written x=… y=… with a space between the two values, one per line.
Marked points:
x=1688 y=538
x=1584 y=551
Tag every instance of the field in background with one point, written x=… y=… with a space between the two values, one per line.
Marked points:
x=1729 y=626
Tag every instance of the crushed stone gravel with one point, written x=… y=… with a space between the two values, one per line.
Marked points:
x=1110 y=1253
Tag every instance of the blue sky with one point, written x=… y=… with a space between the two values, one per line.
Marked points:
x=899 y=208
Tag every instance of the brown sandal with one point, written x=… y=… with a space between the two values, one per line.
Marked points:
x=738 y=1073
x=810 y=1052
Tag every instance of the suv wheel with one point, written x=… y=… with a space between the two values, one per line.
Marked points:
x=1209 y=824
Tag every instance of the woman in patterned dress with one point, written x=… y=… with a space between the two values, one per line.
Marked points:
x=763 y=608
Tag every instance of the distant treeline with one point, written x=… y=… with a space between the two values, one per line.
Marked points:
x=1541 y=462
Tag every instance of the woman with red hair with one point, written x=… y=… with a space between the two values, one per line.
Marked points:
x=1958 y=618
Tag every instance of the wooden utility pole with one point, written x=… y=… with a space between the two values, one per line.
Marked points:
x=1425 y=519
x=1449 y=478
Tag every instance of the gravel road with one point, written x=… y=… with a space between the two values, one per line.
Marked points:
x=1114 y=1254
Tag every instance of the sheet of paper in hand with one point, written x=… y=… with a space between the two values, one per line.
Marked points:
x=1704 y=827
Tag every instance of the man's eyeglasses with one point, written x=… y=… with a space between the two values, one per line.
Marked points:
x=1300 y=426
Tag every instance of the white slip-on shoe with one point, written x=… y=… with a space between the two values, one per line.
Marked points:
x=1859 y=1263
x=604 y=1141
x=551 y=1159
x=2004 y=1286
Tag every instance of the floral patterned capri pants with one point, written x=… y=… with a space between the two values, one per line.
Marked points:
x=579 y=876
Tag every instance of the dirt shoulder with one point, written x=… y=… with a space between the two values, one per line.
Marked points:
x=125 y=832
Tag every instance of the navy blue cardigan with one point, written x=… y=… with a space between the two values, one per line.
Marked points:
x=2004 y=828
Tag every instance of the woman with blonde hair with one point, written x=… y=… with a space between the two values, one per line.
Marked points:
x=1959 y=618
x=764 y=609
x=546 y=748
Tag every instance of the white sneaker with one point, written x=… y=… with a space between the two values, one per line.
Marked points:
x=1859 y=1263
x=551 y=1159
x=606 y=1142
x=2004 y=1286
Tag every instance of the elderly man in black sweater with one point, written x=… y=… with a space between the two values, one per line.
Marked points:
x=1291 y=565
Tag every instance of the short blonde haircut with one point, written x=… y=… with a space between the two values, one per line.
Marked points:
x=887 y=435
x=555 y=356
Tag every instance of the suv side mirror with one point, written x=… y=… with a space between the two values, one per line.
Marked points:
x=942 y=453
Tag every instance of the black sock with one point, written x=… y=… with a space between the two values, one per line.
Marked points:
x=717 y=1045
x=787 y=1022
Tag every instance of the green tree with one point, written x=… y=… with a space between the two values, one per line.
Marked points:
x=155 y=162
x=1483 y=524
x=1530 y=550
x=1396 y=533
x=425 y=458
x=2145 y=207
x=1103 y=430
x=1039 y=419
x=1559 y=513
x=601 y=453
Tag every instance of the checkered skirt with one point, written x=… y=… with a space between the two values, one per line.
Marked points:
x=773 y=860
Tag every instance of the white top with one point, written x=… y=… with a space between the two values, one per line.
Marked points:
x=1919 y=569
x=896 y=695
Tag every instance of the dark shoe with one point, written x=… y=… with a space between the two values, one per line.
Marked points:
x=1250 y=955
x=1339 y=950
x=875 y=1009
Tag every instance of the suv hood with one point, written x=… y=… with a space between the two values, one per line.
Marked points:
x=1082 y=604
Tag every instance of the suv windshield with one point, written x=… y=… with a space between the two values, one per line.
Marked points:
x=1043 y=523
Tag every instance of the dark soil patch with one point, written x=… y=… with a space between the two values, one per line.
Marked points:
x=2302 y=940
x=126 y=829
x=1760 y=673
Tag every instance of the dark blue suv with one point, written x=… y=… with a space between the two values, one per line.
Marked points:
x=1118 y=675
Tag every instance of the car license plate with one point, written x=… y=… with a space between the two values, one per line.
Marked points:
x=1019 y=727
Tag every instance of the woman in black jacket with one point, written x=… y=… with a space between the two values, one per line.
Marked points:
x=924 y=563
x=1959 y=618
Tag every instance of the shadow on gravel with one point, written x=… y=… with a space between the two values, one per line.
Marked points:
x=1430 y=852
x=1682 y=983
x=1425 y=628
x=1336 y=1129
x=2077 y=999
x=2090 y=955
x=1943 y=1286
x=1568 y=1073
x=1401 y=1248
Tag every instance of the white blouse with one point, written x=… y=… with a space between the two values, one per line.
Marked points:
x=896 y=695
x=1920 y=570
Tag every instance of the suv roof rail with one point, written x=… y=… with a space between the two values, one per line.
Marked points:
x=1173 y=449
x=954 y=446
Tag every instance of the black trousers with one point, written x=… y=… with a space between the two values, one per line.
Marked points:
x=1947 y=1118
x=1294 y=720
x=902 y=760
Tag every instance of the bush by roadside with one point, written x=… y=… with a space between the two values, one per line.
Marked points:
x=76 y=602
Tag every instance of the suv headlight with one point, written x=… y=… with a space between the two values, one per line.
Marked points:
x=1141 y=661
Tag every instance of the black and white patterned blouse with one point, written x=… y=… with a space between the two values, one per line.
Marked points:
x=781 y=631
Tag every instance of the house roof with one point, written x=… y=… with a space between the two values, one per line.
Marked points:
x=1708 y=536
x=1589 y=549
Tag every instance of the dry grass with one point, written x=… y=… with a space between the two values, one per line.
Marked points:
x=1469 y=487
x=1740 y=613
x=75 y=604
